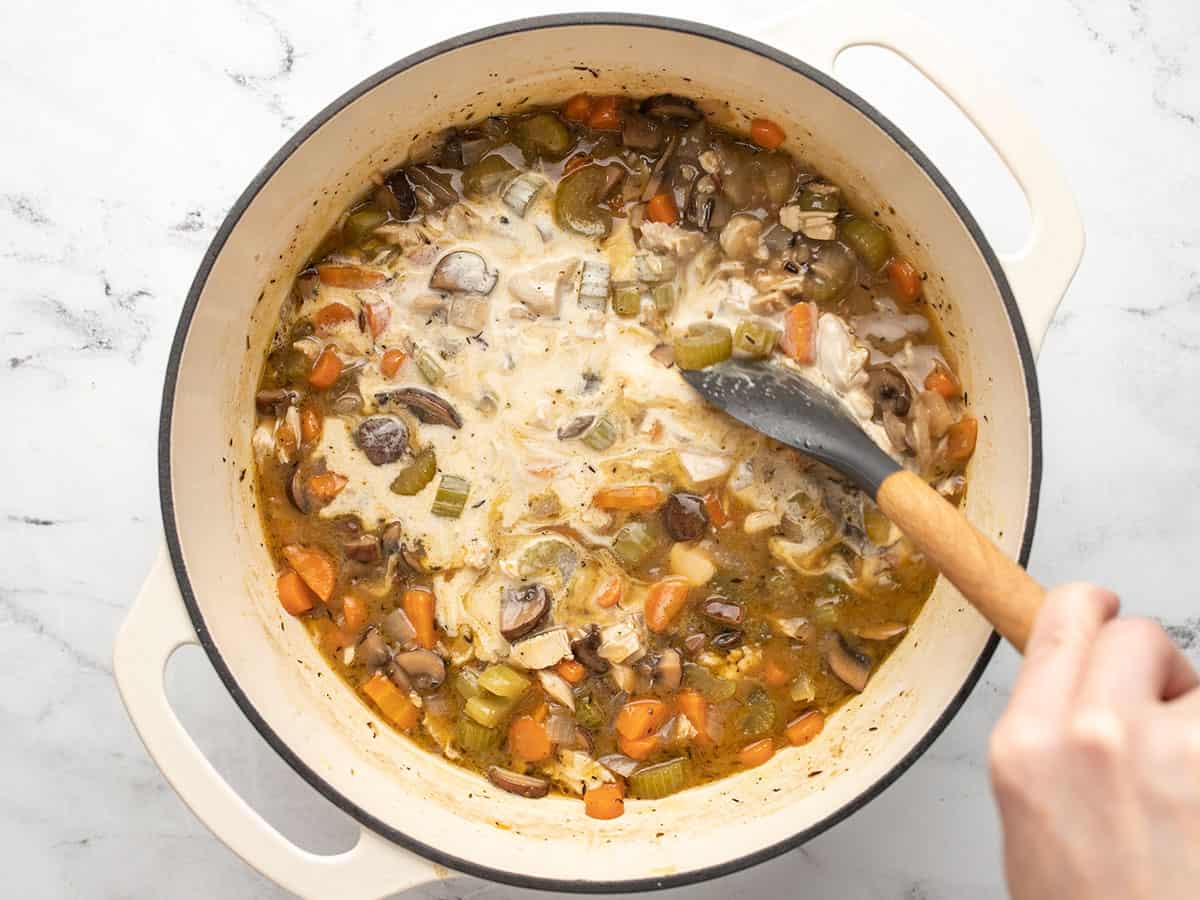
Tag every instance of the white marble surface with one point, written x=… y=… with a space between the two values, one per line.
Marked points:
x=130 y=127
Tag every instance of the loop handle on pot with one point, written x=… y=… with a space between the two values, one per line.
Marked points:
x=156 y=627
x=1041 y=271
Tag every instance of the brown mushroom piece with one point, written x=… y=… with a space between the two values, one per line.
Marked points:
x=521 y=609
x=850 y=665
x=397 y=626
x=463 y=271
x=396 y=197
x=694 y=643
x=297 y=492
x=671 y=106
x=727 y=640
x=274 y=401
x=641 y=133
x=685 y=517
x=384 y=439
x=889 y=389
x=399 y=677
x=882 y=631
x=372 y=650
x=722 y=611
x=425 y=668
x=668 y=670
x=586 y=650
x=425 y=405
x=364 y=548
x=575 y=427
x=522 y=785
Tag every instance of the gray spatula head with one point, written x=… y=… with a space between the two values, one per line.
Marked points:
x=796 y=412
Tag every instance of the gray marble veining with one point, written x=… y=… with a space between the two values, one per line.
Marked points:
x=131 y=127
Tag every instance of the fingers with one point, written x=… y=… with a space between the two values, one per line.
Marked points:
x=1058 y=650
x=1134 y=663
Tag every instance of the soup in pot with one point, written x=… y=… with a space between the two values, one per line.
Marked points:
x=510 y=524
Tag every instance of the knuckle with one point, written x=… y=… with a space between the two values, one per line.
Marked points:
x=1099 y=734
x=1017 y=744
x=1139 y=630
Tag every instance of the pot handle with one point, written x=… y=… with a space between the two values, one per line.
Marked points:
x=157 y=625
x=1041 y=271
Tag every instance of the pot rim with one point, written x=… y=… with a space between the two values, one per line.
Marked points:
x=166 y=499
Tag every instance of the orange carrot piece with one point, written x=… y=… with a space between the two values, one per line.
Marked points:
x=960 y=439
x=605 y=115
x=766 y=134
x=942 y=382
x=327 y=485
x=631 y=498
x=418 y=606
x=577 y=108
x=376 y=317
x=774 y=674
x=639 y=748
x=286 y=438
x=641 y=718
x=350 y=276
x=315 y=566
x=757 y=753
x=609 y=594
x=805 y=727
x=326 y=370
x=664 y=601
x=904 y=278
x=294 y=595
x=572 y=671
x=354 y=612
x=332 y=315
x=578 y=161
x=392 y=701
x=715 y=509
x=799 y=333
x=606 y=801
x=661 y=208
x=528 y=739
x=693 y=705
x=311 y=423
x=391 y=362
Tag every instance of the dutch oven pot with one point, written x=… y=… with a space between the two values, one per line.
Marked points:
x=215 y=585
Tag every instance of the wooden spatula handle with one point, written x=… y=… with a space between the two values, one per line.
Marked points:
x=999 y=588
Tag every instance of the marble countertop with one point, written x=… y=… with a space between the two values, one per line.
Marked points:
x=131 y=126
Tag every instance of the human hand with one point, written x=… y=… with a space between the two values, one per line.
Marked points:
x=1096 y=762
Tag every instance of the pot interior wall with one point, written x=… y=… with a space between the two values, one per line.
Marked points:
x=268 y=653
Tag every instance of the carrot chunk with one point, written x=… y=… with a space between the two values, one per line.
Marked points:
x=638 y=748
x=605 y=114
x=610 y=592
x=528 y=739
x=315 y=566
x=294 y=595
x=631 y=498
x=418 y=606
x=354 y=612
x=661 y=208
x=391 y=362
x=805 y=727
x=376 y=317
x=942 y=382
x=326 y=370
x=693 y=705
x=353 y=277
x=640 y=718
x=715 y=509
x=311 y=423
x=799 y=333
x=960 y=439
x=766 y=134
x=327 y=485
x=392 y=701
x=606 y=801
x=332 y=315
x=572 y=671
x=757 y=753
x=664 y=601
x=904 y=278
x=577 y=108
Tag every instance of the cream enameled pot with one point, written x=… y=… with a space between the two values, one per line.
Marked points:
x=215 y=585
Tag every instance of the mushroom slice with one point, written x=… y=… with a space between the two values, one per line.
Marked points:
x=397 y=626
x=298 y=493
x=364 y=548
x=668 y=670
x=882 y=631
x=521 y=609
x=723 y=611
x=372 y=650
x=575 y=427
x=847 y=663
x=425 y=405
x=463 y=270
x=889 y=389
x=274 y=402
x=384 y=439
x=585 y=649
x=514 y=783
x=424 y=667
x=671 y=106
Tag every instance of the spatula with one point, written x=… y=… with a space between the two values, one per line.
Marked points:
x=796 y=412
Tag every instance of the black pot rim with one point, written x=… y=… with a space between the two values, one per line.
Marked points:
x=438 y=855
